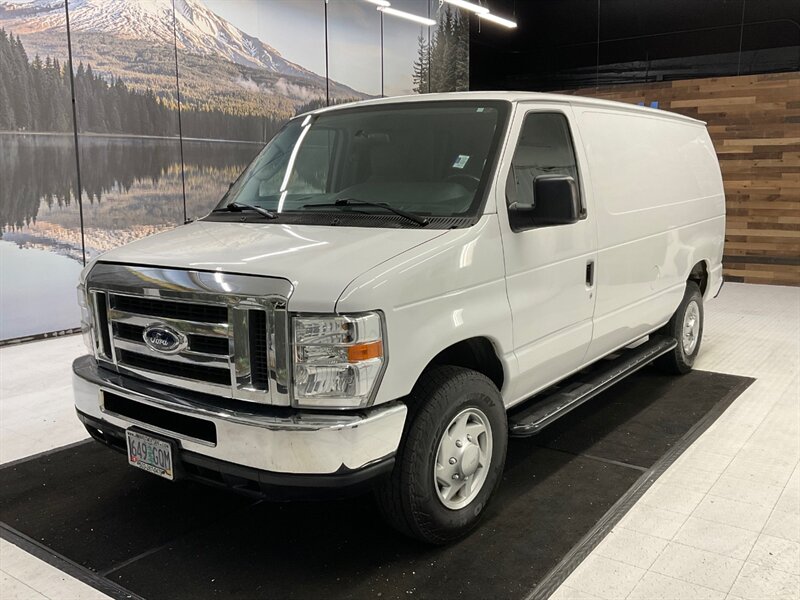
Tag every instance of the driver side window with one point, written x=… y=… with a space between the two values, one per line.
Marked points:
x=544 y=150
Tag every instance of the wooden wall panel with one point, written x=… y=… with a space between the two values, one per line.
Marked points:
x=754 y=121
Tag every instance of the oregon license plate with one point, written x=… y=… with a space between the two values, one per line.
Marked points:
x=150 y=454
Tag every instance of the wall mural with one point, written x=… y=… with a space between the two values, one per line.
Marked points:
x=40 y=236
x=173 y=98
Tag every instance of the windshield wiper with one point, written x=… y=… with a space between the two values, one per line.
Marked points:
x=355 y=202
x=240 y=206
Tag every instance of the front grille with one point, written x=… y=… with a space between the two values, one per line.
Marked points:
x=258 y=348
x=197 y=343
x=178 y=369
x=201 y=313
x=102 y=318
x=223 y=341
x=208 y=345
x=133 y=333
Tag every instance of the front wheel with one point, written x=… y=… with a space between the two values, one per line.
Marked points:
x=451 y=458
x=686 y=326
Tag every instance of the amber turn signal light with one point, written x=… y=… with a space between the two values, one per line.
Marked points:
x=360 y=352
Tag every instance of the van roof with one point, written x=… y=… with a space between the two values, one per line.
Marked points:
x=516 y=97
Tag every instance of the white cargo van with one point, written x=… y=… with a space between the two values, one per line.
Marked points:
x=392 y=288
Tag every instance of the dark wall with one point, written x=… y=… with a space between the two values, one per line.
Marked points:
x=567 y=44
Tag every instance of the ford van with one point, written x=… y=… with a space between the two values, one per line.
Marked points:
x=393 y=288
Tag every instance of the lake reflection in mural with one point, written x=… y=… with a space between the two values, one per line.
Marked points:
x=131 y=188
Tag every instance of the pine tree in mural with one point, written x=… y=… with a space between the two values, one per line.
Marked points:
x=422 y=66
x=443 y=66
x=461 y=53
x=30 y=91
x=7 y=119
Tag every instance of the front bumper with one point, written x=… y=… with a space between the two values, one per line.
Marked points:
x=319 y=448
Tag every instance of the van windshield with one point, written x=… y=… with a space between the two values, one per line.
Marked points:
x=427 y=159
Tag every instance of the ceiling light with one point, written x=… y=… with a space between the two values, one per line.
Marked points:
x=405 y=15
x=468 y=6
x=498 y=20
x=383 y=3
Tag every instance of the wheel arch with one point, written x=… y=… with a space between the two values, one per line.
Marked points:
x=476 y=353
x=699 y=274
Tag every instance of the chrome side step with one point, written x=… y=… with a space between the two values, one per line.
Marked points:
x=543 y=409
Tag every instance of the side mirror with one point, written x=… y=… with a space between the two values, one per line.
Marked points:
x=555 y=200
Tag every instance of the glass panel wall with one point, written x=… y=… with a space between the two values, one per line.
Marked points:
x=41 y=252
x=127 y=105
x=354 y=49
x=406 y=47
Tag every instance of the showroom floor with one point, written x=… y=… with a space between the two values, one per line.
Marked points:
x=722 y=522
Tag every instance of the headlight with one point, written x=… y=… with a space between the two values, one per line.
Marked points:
x=87 y=320
x=337 y=359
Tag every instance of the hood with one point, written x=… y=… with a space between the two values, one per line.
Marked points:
x=319 y=261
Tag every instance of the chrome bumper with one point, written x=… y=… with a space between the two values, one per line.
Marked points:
x=275 y=439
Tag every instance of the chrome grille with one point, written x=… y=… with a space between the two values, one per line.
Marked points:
x=234 y=329
x=259 y=355
x=184 y=311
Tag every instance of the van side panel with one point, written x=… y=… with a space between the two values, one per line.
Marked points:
x=660 y=210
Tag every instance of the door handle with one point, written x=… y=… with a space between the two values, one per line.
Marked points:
x=590 y=273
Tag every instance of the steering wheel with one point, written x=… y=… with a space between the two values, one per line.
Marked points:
x=468 y=181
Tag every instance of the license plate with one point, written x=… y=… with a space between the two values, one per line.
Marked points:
x=150 y=454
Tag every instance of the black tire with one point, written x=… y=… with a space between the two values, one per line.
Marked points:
x=679 y=361
x=408 y=498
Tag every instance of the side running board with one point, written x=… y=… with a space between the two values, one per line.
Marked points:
x=543 y=409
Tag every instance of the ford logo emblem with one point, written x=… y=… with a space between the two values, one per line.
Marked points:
x=162 y=338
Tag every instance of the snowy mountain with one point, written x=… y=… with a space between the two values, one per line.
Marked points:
x=199 y=30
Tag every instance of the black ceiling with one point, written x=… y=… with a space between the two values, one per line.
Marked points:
x=555 y=45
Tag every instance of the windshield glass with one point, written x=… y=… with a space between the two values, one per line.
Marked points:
x=431 y=159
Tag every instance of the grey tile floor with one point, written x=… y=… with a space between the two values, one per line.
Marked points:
x=723 y=522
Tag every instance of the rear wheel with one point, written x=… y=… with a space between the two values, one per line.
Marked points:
x=451 y=458
x=686 y=326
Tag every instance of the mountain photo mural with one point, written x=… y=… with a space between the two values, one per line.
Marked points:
x=173 y=98
x=228 y=78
